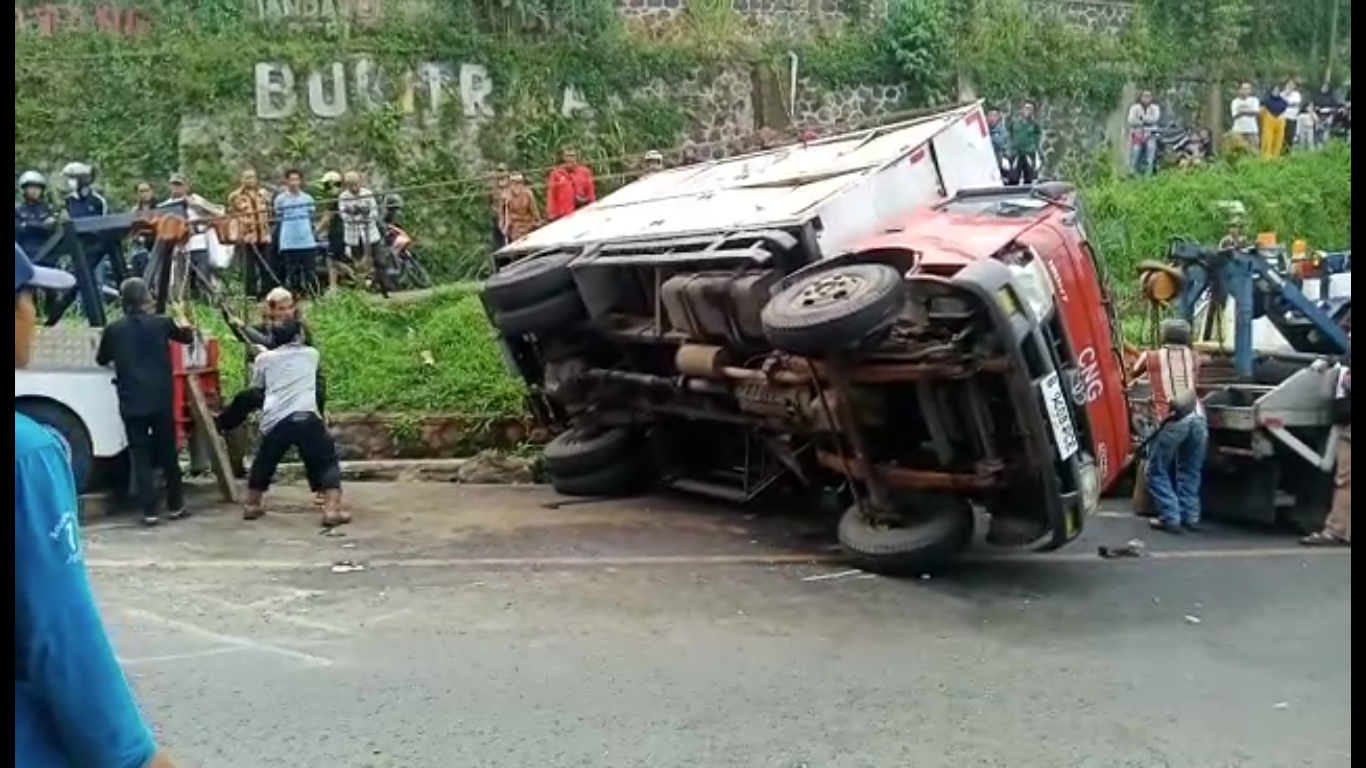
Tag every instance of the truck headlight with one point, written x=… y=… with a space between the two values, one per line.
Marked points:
x=1035 y=287
x=1090 y=487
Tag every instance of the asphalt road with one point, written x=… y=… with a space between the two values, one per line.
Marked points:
x=470 y=628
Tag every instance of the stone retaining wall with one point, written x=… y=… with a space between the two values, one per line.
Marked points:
x=364 y=437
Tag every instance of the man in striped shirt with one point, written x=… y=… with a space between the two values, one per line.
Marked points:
x=1176 y=455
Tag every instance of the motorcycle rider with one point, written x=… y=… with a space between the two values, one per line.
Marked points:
x=34 y=218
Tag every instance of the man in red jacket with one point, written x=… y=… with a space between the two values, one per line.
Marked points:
x=570 y=186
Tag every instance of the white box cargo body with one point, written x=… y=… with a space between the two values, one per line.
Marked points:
x=848 y=185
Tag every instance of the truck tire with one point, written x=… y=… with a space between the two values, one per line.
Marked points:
x=835 y=310
x=942 y=528
x=529 y=281
x=583 y=450
x=555 y=313
x=619 y=480
x=64 y=422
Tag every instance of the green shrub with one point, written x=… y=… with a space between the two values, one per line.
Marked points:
x=376 y=353
x=428 y=356
x=1305 y=196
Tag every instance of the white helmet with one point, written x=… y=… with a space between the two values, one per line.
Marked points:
x=332 y=177
x=32 y=179
x=77 y=170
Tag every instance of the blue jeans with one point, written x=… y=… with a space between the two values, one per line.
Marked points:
x=1176 y=462
x=1143 y=156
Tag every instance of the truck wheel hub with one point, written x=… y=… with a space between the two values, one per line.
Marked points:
x=830 y=289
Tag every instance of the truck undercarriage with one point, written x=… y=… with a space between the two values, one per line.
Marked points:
x=912 y=395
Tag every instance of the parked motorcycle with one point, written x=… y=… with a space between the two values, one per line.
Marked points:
x=407 y=268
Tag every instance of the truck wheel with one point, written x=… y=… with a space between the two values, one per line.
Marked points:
x=555 y=313
x=582 y=450
x=529 y=281
x=835 y=310
x=619 y=480
x=61 y=420
x=931 y=538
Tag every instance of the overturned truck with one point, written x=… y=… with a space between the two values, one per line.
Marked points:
x=870 y=317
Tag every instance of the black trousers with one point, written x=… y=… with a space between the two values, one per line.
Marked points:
x=260 y=268
x=306 y=433
x=152 y=443
x=249 y=401
x=1023 y=171
x=300 y=270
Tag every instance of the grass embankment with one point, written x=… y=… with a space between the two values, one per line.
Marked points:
x=439 y=355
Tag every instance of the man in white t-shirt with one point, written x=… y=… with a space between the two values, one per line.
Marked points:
x=1294 y=104
x=1144 y=119
x=1245 y=109
x=203 y=246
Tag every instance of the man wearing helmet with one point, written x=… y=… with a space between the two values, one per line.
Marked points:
x=330 y=228
x=34 y=219
x=83 y=202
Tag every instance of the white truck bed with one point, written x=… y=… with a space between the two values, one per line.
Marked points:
x=852 y=183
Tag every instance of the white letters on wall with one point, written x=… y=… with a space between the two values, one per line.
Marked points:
x=475 y=89
x=573 y=102
x=275 y=96
x=329 y=92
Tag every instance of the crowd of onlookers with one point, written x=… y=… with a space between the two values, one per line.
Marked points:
x=1280 y=121
x=281 y=235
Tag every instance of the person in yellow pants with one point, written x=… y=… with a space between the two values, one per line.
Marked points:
x=1273 y=124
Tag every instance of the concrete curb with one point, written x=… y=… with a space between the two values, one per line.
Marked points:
x=103 y=505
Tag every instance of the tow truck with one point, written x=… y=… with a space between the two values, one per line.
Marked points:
x=871 y=317
x=63 y=388
x=1262 y=315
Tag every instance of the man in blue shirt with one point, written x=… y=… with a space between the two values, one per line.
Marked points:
x=72 y=705
x=298 y=247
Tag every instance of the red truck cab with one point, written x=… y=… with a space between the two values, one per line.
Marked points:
x=1049 y=226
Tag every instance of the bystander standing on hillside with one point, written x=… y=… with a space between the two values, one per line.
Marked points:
x=1144 y=119
x=1245 y=110
x=249 y=232
x=521 y=214
x=360 y=214
x=497 y=192
x=569 y=187
x=1026 y=142
x=1294 y=106
x=1273 y=123
x=296 y=251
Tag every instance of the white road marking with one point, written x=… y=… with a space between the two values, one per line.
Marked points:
x=236 y=641
x=261 y=608
x=147 y=661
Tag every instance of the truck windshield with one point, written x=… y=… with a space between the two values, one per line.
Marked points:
x=1015 y=206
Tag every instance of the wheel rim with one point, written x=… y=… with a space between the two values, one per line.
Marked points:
x=829 y=289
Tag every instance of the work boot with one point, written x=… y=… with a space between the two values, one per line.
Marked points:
x=179 y=514
x=150 y=521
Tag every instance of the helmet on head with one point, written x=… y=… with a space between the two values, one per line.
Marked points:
x=393 y=201
x=32 y=179
x=78 y=171
x=331 y=177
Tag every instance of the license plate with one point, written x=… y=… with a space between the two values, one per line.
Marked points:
x=1059 y=416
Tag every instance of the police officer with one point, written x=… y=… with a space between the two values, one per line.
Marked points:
x=34 y=218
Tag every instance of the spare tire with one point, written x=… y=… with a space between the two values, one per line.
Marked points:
x=582 y=450
x=529 y=281
x=933 y=535
x=836 y=310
